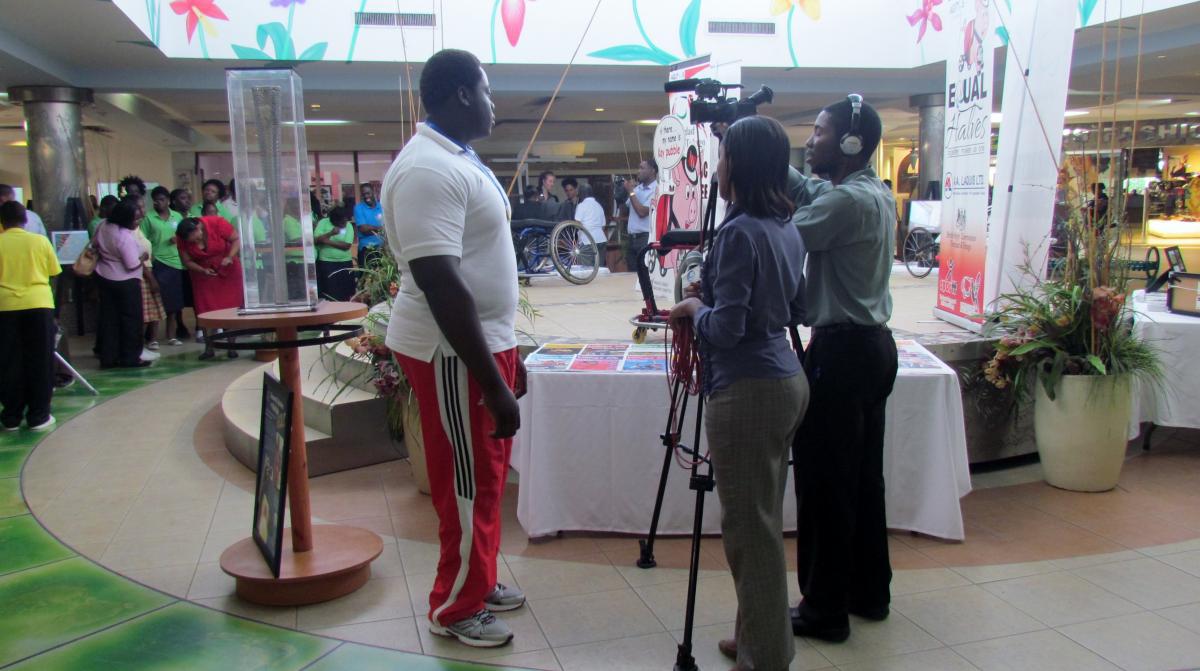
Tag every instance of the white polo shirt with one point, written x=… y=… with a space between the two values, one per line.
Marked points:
x=440 y=200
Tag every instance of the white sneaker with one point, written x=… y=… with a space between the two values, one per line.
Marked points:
x=46 y=425
x=174 y=342
x=152 y=346
x=504 y=598
x=147 y=355
x=481 y=630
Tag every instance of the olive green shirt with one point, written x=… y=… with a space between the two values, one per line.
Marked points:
x=329 y=252
x=850 y=232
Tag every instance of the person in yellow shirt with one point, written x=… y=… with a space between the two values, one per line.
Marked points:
x=27 y=329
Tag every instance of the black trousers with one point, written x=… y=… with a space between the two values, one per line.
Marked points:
x=842 y=540
x=335 y=282
x=26 y=365
x=120 y=330
x=365 y=254
x=633 y=253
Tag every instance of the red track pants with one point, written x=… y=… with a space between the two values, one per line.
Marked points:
x=467 y=471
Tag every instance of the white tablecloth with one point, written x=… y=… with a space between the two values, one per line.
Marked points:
x=589 y=455
x=1176 y=400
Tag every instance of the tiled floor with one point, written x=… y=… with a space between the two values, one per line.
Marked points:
x=60 y=605
x=1046 y=579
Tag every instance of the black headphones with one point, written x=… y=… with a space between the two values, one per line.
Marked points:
x=851 y=142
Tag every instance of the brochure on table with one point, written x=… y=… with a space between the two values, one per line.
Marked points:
x=598 y=358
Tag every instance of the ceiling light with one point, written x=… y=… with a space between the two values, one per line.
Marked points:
x=599 y=109
x=315 y=106
x=1163 y=101
x=326 y=122
x=1071 y=113
x=18 y=143
x=1193 y=114
x=371 y=134
x=647 y=122
x=996 y=117
x=1160 y=57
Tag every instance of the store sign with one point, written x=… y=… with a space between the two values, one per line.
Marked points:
x=1150 y=133
x=966 y=162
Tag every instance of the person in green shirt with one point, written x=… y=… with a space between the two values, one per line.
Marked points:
x=213 y=192
x=159 y=226
x=293 y=252
x=335 y=258
x=106 y=205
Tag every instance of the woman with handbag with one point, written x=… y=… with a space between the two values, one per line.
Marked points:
x=750 y=293
x=119 y=280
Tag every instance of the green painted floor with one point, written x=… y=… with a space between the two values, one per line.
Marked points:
x=59 y=610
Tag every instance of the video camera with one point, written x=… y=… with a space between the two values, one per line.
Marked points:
x=712 y=105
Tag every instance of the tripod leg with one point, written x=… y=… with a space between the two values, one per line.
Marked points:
x=685 y=661
x=646 y=545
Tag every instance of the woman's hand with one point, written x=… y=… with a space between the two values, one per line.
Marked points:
x=692 y=290
x=226 y=262
x=210 y=272
x=685 y=309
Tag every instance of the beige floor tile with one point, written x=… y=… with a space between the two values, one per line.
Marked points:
x=173 y=580
x=218 y=540
x=379 y=599
x=93 y=551
x=1185 y=561
x=527 y=637
x=704 y=649
x=716 y=601
x=548 y=578
x=925 y=580
x=1143 y=641
x=653 y=652
x=398 y=634
x=153 y=553
x=1058 y=599
x=418 y=557
x=571 y=620
x=388 y=564
x=209 y=582
x=544 y=660
x=1188 y=616
x=1170 y=548
x=1037 y=650
x=278 y=616
x=143 y=521
x=639 y=577
x=1147 y=582
x=942 y=659
x=868 y=640
x=984 y=574
x=1095 y=560
x=964 y=614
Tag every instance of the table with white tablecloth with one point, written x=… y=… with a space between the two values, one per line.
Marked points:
x=1175 y=400
x=589 y=453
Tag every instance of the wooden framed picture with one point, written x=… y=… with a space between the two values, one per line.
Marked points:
x=270 y=490
x=1183 y=298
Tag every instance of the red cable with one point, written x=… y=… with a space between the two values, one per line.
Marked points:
x=685 y=368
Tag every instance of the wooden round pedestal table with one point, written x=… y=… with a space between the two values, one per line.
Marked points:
x=318 y=563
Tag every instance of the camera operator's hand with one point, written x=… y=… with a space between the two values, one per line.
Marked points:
x=685 y=310
x=502 y=405
x=692 y=290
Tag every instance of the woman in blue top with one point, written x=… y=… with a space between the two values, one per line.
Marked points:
x=750 y=292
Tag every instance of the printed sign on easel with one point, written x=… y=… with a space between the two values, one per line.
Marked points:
x=270 y=491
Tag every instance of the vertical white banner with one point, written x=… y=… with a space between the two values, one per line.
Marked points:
x=1041 y=37
x=966 y=162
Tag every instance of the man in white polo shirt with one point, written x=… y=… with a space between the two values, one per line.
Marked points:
x=451 y=328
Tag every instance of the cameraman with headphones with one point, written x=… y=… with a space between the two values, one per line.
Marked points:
x=847 y=221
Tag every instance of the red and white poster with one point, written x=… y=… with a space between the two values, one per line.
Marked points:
x=966 y=163
x=686 y=154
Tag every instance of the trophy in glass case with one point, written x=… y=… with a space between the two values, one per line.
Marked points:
x=270 y=164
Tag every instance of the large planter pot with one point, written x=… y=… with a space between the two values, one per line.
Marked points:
x=414 y=441
x=1081 y=434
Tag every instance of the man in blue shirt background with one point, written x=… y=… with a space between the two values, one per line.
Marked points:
x=366 y=219
x=641 y=199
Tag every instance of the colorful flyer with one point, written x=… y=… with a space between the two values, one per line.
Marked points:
x=912 y=356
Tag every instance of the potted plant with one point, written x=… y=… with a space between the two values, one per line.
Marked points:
x=1067 y=339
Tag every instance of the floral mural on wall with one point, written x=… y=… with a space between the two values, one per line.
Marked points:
x=810 y=7
x=280 y=37
x=199 y=13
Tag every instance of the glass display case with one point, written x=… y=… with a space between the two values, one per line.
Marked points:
x=270 y=162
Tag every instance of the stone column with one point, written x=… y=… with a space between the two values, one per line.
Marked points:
x=57 y=170
x=932 y=110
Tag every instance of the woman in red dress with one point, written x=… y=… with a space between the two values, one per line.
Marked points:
x=208 y=247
